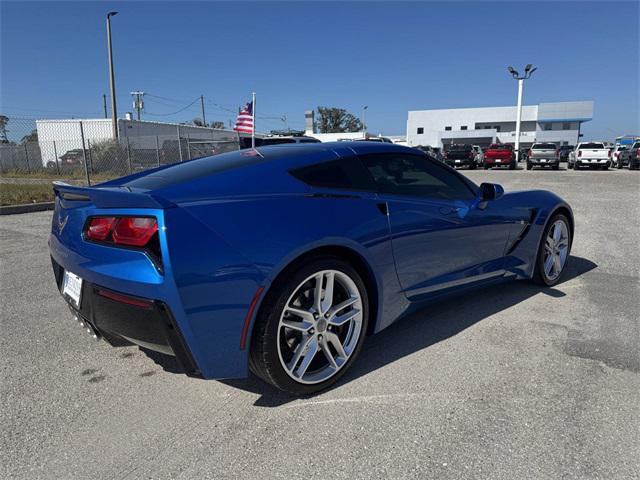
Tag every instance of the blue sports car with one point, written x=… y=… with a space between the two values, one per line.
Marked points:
x=282 y=259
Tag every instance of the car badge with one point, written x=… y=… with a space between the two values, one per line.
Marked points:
x=62 y=222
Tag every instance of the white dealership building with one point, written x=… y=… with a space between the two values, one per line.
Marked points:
x=559 y=123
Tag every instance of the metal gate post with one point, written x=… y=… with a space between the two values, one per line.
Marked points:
x=84 y=155
x=157 y=151
x=128 y=155
x=55 y=153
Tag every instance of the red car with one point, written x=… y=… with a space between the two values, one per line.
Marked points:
x=500 y=155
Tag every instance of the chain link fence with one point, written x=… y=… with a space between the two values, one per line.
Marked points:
x=85 y=149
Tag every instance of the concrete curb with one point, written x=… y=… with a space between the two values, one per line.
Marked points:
x=26 y=208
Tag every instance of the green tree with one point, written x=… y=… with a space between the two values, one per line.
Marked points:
x=31 y=137
x=3 y=129
x=337 y=120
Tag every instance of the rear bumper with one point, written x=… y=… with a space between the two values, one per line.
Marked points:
x=121 y=318
x=461 y=162
x=543 y=161
x=586 y=162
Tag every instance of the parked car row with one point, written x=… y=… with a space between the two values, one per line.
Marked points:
x=544 y=155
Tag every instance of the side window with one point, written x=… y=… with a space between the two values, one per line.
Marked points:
x=345 y=173
x=414 y=175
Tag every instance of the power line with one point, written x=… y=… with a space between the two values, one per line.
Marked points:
x=176 y=112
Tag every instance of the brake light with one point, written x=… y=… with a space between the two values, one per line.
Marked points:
x=609 y=153
x=134 y=231
x=128 y=231
x=99 y=228
x=557 y=153
x=638 y=152
x=579 y=153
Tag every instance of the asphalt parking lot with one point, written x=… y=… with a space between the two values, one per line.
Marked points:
x=509 y=382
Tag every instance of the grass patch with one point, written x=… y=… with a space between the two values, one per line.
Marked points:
x=63 y=175
x=18 y=194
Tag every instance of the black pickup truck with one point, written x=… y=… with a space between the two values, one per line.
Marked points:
x=460 y=156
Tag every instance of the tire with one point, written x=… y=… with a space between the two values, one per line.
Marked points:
x=274 y=346
x=544 y=276
x=529 y=166
x=569 y=165
x=512 y=165
x=486 y=167
x=556 y=167
x=472 y=166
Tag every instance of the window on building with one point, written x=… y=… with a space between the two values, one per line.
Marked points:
x=420 y=130
x=497 y=127
x=463 y=127
x=547 y=126
x=566 y=126
x=447 y=128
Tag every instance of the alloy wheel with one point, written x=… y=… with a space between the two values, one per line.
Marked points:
x=556 y=249
x=320 y=326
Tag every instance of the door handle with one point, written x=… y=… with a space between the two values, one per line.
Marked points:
x=383 y=208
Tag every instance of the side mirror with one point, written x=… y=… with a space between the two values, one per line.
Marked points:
x=491 y=191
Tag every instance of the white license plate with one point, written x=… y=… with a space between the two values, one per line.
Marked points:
x=543 y=160
x=72 y=286
x=457 y=161
x=498 y=161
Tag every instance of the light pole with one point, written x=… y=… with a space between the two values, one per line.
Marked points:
x=364 y=124
x=528 y=70
x=112 y=82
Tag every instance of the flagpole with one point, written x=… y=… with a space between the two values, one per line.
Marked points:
x=253 y=128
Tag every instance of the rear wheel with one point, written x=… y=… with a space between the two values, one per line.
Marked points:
x=553 y=252
x=311 y=327
x=529 y=166
x=512 y=165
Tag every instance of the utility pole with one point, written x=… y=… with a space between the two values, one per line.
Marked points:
x=204 y=119
x=364 y=123
x=528 y=70
x=112 y=82
x=104 y=105
x=138 y=103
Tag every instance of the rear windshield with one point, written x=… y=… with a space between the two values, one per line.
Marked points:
x=498 y=146
x=544 y=146
x=592 y=145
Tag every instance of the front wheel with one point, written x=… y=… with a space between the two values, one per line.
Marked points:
x=311 y=326
x=553 y=252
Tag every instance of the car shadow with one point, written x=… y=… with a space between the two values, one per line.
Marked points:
x=414 y=332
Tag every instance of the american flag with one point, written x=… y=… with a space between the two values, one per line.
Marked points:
x=244 y=122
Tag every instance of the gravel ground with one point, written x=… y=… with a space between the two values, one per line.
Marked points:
x=509 y=382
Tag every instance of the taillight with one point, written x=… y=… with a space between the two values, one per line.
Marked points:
x=99 y=228
x=579 y=153
x=134 y=231
x=557 y=153
x=529 y=153
x=128 y=231
x=609 y=153
x=638 y=152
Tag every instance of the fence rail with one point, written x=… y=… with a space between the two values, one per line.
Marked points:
x=79 y=150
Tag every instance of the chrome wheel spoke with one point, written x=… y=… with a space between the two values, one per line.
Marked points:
x=548 y=265
x=304 y=314
x=557 y=232
x=338 y=321
x=307 y=358
x=557 y=265
x=327 y=353
x=317 y=292
x=341 y=306
x=297 y=326
x=334 y=340
x=327 y=300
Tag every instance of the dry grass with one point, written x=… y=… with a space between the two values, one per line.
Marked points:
x=18 y=194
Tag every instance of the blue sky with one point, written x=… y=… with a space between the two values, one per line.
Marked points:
x=391 y=56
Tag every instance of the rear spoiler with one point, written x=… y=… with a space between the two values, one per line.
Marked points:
x=109 y=197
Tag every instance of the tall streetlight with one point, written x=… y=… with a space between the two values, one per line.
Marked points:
x=528 y=70
x=364 y=124
x=112 y=82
